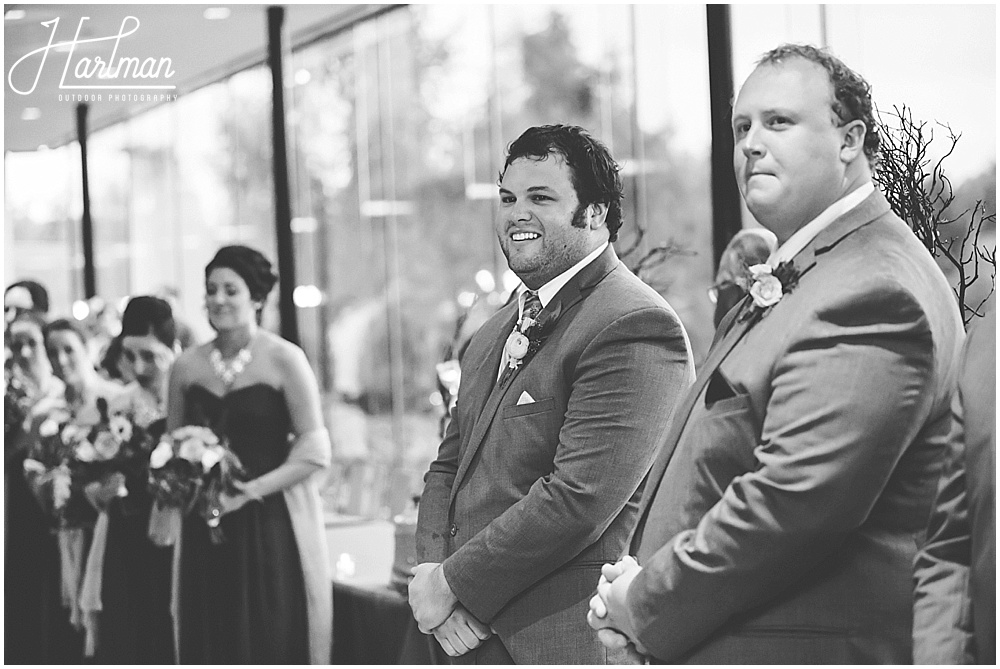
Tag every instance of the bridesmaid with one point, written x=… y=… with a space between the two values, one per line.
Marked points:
x=35 y=625
x=66 y=346
x=129 y=584
x=264 y=595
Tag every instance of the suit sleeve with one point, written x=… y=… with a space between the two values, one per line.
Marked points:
x=942 y=604
x=432 y=518
x=624 y=384
x=845 y=399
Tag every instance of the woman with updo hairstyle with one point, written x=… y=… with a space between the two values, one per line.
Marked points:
x=126 y=590
x=263 y=595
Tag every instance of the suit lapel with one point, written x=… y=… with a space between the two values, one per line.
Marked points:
x=569 y=295
x=482 y=378
x=871 y=208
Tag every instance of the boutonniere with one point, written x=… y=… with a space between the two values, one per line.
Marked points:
x=768 y=286
x=524 y=341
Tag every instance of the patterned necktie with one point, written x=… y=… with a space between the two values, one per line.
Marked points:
x=532 y=307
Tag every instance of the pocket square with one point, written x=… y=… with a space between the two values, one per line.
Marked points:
x=525 y=398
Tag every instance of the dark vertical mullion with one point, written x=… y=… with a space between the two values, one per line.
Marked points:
x=86 y=225
x=282 y=197
x=727 y=213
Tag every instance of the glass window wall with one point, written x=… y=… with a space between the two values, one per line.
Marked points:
x=397 y=130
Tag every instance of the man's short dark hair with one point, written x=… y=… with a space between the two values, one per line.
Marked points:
x=594 y=172
x=852 y=98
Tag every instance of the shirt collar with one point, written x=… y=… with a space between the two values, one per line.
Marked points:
x=547 y=292
x=808 y=232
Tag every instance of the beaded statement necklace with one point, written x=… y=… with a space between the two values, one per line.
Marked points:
x=228 y=370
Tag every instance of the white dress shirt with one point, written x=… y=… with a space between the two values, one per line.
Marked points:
x=548 y=291
x=801 y=238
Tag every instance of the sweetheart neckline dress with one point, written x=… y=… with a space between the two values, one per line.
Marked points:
x=284 y=587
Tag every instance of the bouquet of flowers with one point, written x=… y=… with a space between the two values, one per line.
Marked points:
x=190 y=469
x=72 y=455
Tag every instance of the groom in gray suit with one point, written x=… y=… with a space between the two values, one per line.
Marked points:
x=565 y=397
x=780 y=521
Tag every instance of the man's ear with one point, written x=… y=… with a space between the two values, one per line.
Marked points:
x=597 y=212
x=853 y=143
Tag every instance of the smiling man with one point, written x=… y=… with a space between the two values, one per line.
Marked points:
x=780 y=521
x=566 y=396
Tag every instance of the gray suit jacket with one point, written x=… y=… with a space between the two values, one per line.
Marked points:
x=781 y=520
x=524 y=503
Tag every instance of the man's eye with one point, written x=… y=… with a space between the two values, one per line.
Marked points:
x=507 y=199
x=780 y=121
x=540 y=198
x=741 y=129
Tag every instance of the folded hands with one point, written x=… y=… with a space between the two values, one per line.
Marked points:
x=438 y=612
x=608 y=613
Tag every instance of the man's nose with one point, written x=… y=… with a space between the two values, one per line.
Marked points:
x=520 y=211
x=752 y=144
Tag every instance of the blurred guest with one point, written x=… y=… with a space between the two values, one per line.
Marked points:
x=565 y=396
x=780 y=521
x=127 y=587
x=747 y=248
x=263 y=595
x=22 y=296
x=956 y=570
x=36 y=627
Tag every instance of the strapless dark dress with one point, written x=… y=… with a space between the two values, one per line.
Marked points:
x=136 y=626
x=244 y=601
x=36 y=624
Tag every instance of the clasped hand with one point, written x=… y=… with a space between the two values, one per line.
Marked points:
x=438 y=611
x=608 y=610
x=229 y=503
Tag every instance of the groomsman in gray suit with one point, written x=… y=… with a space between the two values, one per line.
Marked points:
x=781 y=519
x=565 y=398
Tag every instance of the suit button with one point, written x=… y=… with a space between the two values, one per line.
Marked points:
x=454 y=529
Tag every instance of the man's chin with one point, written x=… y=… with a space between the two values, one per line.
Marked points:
x=522 y=265
x=762 y=206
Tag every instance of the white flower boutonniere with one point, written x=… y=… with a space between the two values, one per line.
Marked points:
x=523 y=341
x=766 y=288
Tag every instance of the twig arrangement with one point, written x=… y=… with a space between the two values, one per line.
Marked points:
x=921 y=194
